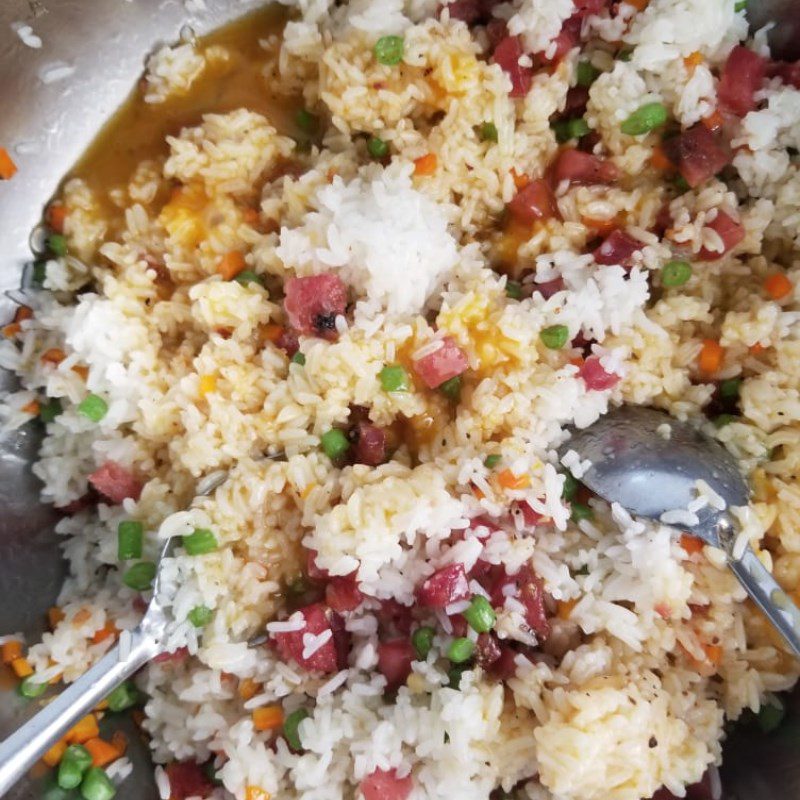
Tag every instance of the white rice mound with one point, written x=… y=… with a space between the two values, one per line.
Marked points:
x=653 y=647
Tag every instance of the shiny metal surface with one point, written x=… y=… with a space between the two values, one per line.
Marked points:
x=46 y=127
x=650 y=463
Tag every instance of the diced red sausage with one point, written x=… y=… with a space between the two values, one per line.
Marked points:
x=370 y=445
x=740 y=79
x=730 y=231
x=187 y=779
x=595 y=377
x=115 y=482
x=342 y=593
x=447 y=585
x=787 y=71
x=175 y=657
x=394 y=661
x=385 y=785
x=534 y=201
x=439 y=366
x=507 y=54
x=291 y=645
x=312 y=303
x=549 y=288
x=531 y=595
x=575 y=105
x=568 y=37
x=697 y=154
x=578 y=167
x=617 y=248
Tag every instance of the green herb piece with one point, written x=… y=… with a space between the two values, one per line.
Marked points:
x=455 y=674
x=724 y=419
x=581 y=511
x=586 y=74
x=645 y=119
x=334 y=443
x=741 y=5
x=129 y=539
x=394 y=378
x=140 y=576
x=299 y=358
x=306 y=121
x=625 y=54
x=681 y=184
x=729 y=389
x=125 y=696
x=771 y=715
x=675 y=273
x=389 y=50
x=451 y=389
x=461 y=650
x=488 y=132
x=200 y=616
x=291 y=728
x=480 y=614
x=50 y=410
x=247 y=276
x=377 y=148
x=514 y=290
x=570 y=486
x=422 y=641
x=200 y=542
x=554 y=337
x=93 y=408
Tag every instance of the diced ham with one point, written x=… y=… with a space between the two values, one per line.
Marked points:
x=697 y=154
x=187 y=779
x=568 y=37
x=617 y=248
x=288 y=341
x=787 y=71
x=740 y=79
x=175 y=657
x=531 y=595
x=312 y=570
x=576 y=166
x=507 y=54
x=595 y=377
x=341 y=640
x=312 y=303
x=533 y=202
x=439 y=366
x=385 y=785
x=505 y=666
x=530 y=517
x=115 y=482
x=469 y=11
x=394 y=661
x=702 y=790
x=487 y=650
x=496 y=31
x=291 y=645
x=395 y=617
x=575 y=105
x=445 y=586
x=730 y=231
x=342 y=593
x=89 y=500
x=549 y=288
x=370 y=445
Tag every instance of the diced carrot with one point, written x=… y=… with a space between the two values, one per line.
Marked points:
x=231 y=265
x=711 y=355
x=577 y=361
x=101 y=706
x=756 y=349
x=477 y=492
x=520 y=181
x=255 y=793
x=109 y=629
x=81 y=370
x=120 y=742
x=713 y=121
x=248 y=688
x=250 y=215
x=508 y=480
x=425 y=165
x=639 y=5
x=83 y=730
x=208 y=384
x=53 y=755
x=56 y=216
x=54 y=616
x=11 y=651
x=267 y=718
x=11 y=330
x=54 y=355
x=81 y=616
x=8 y=169
x=31 y=408
x=271 y=332
x=713 y=653
x=778 y=286
x=691 y=544
x=659 y=160
x=22 y=313
x=56 y=679
x=101 y=751
x=21 y=667
x=565 y=608
x=693 y=60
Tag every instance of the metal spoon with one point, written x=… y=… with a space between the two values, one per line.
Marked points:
x=648 y=474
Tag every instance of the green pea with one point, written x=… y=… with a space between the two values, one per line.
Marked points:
x=554 y=337
x=334 y=443
x=394 y=378
x=97 y=785
x=514 y=290
x=299 y=358
x=200 y=542
x=581 y=511
x=125 y=696
x=376 y=147
x=586 y=74
x=93 y=408
x=389 y=50
x=50 y=410
x=57 y=244
x=130 y=535
x=422 y=641
x=200 y=616
x=74 y=763
x=451 y=389
x=675 y=273
x=492 y=461
x=140 y=576
x=645 y=119
x=567 y=129
x=488 y=132
x=460 y=650
x=247 y=276
x=480 y=615
x=30 y=688
x=729 y=389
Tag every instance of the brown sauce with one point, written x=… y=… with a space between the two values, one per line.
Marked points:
x=138 y=130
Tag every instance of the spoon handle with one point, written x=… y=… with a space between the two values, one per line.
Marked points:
x=20 y=751
x=769 y=597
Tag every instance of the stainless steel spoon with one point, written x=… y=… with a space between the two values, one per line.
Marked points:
x=635 y=464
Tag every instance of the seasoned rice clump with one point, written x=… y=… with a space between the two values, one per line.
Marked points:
x=379 y=320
